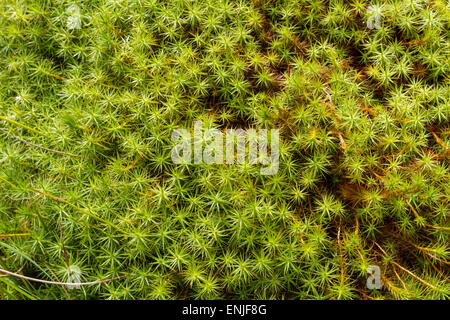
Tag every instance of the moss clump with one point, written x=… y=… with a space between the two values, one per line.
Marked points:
x=91 y=91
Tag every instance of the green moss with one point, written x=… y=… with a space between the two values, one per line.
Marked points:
x=88 y=106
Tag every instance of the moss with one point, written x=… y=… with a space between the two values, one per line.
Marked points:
x=90 y=93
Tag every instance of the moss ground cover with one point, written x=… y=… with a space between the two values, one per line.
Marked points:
x=91 y=91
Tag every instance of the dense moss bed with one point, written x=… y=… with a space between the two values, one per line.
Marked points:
x=91 y=92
